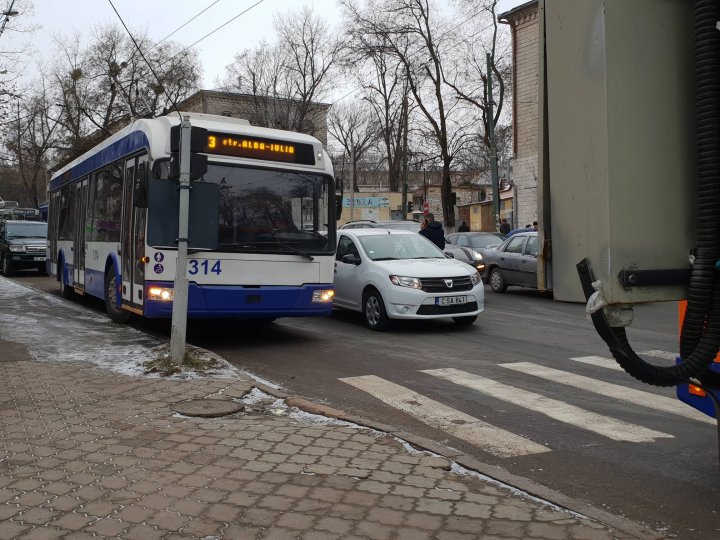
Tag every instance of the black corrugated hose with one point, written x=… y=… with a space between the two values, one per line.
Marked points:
x=700 y=336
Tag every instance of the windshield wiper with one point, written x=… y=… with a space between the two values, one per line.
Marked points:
x=250 y=246
x=295 y=251
x=386 y=259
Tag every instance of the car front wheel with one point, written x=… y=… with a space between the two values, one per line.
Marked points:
x=497 y=281
x=374 y=310
x=7 y=269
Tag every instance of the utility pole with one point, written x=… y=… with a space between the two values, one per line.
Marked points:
x=180 y=297
x=405 y=160
x=352 y=182
x=6 y=16
x=493 y=149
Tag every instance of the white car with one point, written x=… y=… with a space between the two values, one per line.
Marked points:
x=395 y=274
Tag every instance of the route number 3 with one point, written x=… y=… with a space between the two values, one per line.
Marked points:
x=203 y=267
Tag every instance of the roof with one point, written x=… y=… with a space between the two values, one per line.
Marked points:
x=514 y=12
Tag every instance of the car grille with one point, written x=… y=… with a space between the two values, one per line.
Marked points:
x=35 y=249
x=447 y=310
x=437 y=285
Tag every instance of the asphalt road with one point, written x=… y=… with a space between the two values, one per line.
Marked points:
x=626 y=453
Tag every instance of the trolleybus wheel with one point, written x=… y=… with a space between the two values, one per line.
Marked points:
x=115 y=312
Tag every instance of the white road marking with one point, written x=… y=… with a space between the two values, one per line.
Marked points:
x=661 y=354
x=599 y=361
x=492 y=439
x=616 y=430
x=616 y=391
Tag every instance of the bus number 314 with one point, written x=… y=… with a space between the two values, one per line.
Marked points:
x=203 y=267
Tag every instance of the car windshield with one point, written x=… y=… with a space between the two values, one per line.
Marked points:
x=388 y=247
x=485 y=241
x=30 y=229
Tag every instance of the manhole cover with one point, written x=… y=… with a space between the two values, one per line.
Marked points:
x=207 y=408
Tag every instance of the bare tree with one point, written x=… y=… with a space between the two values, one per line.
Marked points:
x=29 y=138
x=109 y=83
x=287 y=80
x=411 y=32
x=470 y=82
x=356 y=131
x=14 y=59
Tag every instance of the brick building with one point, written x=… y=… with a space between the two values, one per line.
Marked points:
x=259 y=110
x=523 y=22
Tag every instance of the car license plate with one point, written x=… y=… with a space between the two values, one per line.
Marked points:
x=38 y=259
x=450 y=300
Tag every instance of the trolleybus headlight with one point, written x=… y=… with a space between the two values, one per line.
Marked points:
x=323 y=296
x=161 y=294
x=17 y=249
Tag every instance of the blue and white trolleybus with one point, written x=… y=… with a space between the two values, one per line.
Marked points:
x=262 y=223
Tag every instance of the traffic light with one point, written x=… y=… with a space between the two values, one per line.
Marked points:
x=409 y=206
x=198 y=141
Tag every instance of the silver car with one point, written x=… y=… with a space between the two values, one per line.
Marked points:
x=514 y=262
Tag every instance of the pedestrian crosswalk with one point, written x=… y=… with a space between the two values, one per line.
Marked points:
x=503 y=442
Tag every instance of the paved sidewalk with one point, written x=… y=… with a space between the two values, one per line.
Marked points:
x=87 y=451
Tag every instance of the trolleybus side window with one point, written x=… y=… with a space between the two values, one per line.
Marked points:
x=67 y=214
x=106 y=204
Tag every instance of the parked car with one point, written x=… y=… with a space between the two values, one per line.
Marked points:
x=23 y=244
x=396 y=274
x=514 y=262
x=467 y=255
x=477 y=241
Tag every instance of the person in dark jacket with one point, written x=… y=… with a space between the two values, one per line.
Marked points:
x=463 y=227
x=434 y=232
x=504 y=226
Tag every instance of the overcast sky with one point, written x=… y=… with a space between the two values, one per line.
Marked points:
x=162 y=17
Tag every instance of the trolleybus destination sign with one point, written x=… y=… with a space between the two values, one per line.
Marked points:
x=259 y=148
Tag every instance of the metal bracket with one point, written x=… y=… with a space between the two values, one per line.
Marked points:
x=653 y=278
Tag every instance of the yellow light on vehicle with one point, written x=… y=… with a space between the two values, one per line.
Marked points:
x=145 y=259
x=160 y=294
x=696 y=390
x=323 y=295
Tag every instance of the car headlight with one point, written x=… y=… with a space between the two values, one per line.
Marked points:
x=475 y=279
x=404 y=281
x=477 y=255
x=17 y=249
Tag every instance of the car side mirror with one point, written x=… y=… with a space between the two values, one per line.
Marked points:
x=351 y=258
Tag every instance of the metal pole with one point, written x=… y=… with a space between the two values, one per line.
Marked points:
x=180 y=298
x=405 y=161
x=6 y=16
x=352 y=181
x=493 y=149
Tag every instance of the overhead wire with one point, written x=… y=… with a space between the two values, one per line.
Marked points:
x=137 y=46
x=185 y=24
x=216 y=29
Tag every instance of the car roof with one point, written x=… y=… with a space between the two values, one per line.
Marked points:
x=375 y=231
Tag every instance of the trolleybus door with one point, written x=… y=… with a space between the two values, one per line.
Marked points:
x=80 y=246
x=133 y=234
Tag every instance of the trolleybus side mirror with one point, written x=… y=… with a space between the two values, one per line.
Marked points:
x=198 y=162
x=338 y=205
